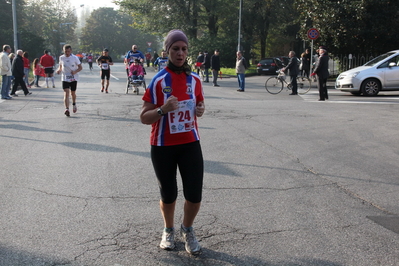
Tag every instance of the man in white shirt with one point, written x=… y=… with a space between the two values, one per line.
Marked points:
x=69 y=67
x=5 y=69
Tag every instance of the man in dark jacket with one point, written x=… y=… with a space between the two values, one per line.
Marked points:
x=321 y=70
x=215 y=66
x=293 y=71
x=17 y=69
x=199 y=62
x=207 y=65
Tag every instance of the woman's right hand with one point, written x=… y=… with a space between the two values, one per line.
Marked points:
x=171 y=104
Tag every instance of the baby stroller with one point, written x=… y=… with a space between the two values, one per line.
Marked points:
x=134 y=83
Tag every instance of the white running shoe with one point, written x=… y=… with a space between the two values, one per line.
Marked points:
x=168 y=239
x=192 y=246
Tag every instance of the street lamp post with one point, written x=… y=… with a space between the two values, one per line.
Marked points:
x=239 y=28
x=14 y=24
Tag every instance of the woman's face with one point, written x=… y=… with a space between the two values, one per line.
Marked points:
x=178 y=53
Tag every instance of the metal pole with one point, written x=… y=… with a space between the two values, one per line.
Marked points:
x=239 y=28
x=14 y=24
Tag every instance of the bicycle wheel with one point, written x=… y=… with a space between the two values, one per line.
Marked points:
x=304 y=85
x=274 y=85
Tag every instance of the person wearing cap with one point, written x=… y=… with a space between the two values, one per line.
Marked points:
x=172 y=102
x=215 y=66
x=69 y=67
x=321 y=70
x=104 y=62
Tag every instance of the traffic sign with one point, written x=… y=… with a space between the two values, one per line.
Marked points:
x=313 y=34
x=149 y=44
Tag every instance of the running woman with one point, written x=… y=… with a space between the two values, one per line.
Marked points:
x=104 y=62
x=172 y=103
x=47 y=61
x=69 y=67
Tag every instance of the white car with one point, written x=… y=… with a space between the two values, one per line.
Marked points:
x=379 y=74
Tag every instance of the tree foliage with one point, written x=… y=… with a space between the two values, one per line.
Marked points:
x=108 y=28
x=352 y=26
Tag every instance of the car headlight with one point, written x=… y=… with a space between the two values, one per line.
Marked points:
x=355 y=74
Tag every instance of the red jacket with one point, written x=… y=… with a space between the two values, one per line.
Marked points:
x=47 y=61
x=26 y=62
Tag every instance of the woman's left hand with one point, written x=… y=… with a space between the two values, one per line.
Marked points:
x=200 y=109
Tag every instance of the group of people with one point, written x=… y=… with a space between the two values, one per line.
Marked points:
x=12 y=66
x=209 y=62
x=171 y=104
x=320 y=70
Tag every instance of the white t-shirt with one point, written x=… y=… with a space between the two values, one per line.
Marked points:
x=69 y=64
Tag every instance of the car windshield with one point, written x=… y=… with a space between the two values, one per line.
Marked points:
x=378 y=59
x=266 y=61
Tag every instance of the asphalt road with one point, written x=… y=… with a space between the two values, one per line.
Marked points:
x=289 y=180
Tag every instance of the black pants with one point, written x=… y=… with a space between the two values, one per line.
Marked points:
x=294 y=84
x=322 y=84
x=19 y=81
x=186 y=157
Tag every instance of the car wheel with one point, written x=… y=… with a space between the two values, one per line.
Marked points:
x=371 y=87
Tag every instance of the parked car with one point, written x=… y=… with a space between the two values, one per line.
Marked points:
x=284 y=59
x=269 y=65
x=379 y=74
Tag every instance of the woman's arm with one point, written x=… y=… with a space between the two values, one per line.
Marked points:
x=149 y=111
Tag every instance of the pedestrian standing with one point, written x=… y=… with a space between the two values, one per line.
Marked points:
x=207 y=65
x=17 y=69
x=5 y=69
x=37 y=71
x=199 y=63
x=69 y=67
x=215 y=66
x=241 y=66
x=292 y=68
x=172 y=103
x=321 y=70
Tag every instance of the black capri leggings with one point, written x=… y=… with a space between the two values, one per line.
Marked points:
x=188 y=157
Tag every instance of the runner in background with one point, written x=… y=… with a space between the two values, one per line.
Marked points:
x=104 y=62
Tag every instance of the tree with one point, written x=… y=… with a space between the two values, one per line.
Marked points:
x=352 y=26
x=108 y=28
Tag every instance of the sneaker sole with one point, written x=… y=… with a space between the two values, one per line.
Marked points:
x=67 y=113
x=167 y=248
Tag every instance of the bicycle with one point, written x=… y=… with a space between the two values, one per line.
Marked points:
x=275 y=85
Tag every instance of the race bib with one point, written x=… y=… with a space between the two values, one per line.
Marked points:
x=104 y=66
x=182 y=119
x=69 y=78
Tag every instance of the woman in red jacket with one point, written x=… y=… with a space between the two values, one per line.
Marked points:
x=25 y=57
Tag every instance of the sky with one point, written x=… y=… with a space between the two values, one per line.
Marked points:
x=93 y=4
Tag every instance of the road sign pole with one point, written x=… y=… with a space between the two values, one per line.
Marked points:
x=311 y=56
